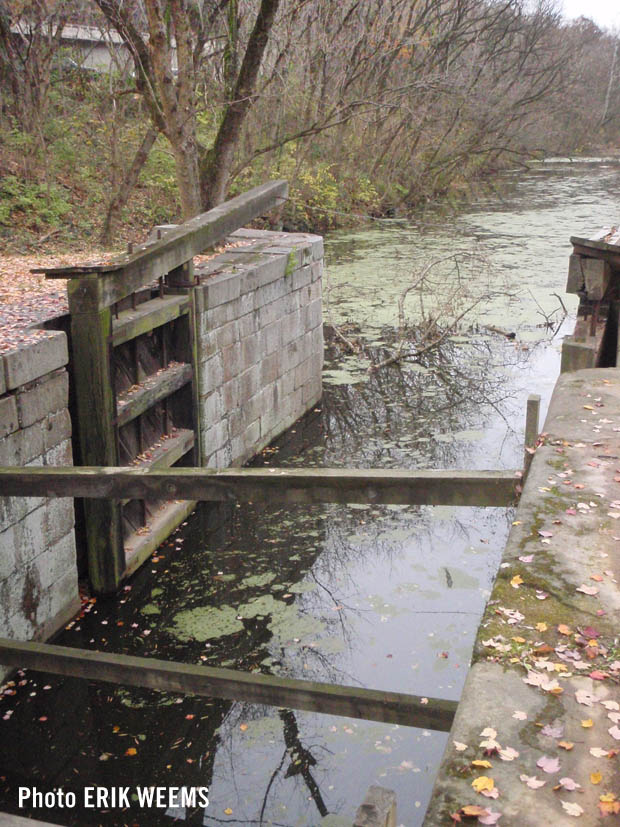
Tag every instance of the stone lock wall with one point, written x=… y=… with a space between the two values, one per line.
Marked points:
x=259 y=341
x=38 y=575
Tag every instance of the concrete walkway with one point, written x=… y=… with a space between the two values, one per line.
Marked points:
x=541 y=704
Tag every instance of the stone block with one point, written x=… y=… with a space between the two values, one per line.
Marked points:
x=7 y=552
x=291 y=327
x=210 y=375
x=301 y=277
x=270 y=368
x=14 y=509
x=312 y=315
x=206 y=344
x=63 y=593
x=57 y=561
x=221 y=289
x=243 y=447
x=271 y=292
x=211 y=408
x=9 y=421
x=270 y=269
x=248 y=324
x=61 y=454
x=230 y=394
x=317 y=269
x=31 y=361
x=231 y=361
x=47 y=396
x=249 y=384
x=270 y=338
x=214 y=437
x=227 y=334
x=249 y=350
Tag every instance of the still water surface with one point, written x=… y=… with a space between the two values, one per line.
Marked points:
x=382 y=597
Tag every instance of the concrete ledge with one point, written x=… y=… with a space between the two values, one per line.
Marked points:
x=552 y=620
x=31 y=361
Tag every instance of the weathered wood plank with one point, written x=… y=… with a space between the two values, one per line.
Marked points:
x=103 y=284
x=133 y=402
x=147 y=316
x=598 y=249
x=289 y=485
x=90 y=335
x=138 y=547
x=170 y=676
x=165 y=455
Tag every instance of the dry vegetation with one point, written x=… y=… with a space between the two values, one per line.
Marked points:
x=367 y=108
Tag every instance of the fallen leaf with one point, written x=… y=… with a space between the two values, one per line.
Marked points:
x=482 y=783
x=567 y=745
x=520 y=716
x=473 y=810
x=569 y=784
x=532 y=782
x=131 y=751
x=606 y=704
x=228 y=811
x=553 y=731
x=490 y=818
x=596 y=777
x=614 y=731
x=480 y=763
x=243 y=727
x=584 y=697
x=549 y=765
x=516 y=581
x=590 y=590
x=563 y=629
x=458 y=746
x=541 y=627
x=597 y=752
x=508 y=754
x=488 y=732
x=571 y=808
x=587 y=723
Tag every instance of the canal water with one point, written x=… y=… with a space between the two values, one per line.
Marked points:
x=381 y=597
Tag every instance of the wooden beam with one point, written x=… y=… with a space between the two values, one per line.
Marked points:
x=165 y=382
x=252 y=687
x=103 y=284
x=147 y=316
x=288 y=485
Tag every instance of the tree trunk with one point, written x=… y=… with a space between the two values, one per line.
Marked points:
x=216 y=164
x=119 y=200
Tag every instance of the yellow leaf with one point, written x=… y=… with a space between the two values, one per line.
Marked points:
x=515 y=660
x=519 y=639
x=479 y=763
x=587 y=723
x=518 y=522
x=228 y=811
x=596 y=777
x=541 y=627
x=563 y=629
x=516 y=581
x=567 y=745
x=482 y=783
x=588 y=407
x=115 y=728
x=607 y=798
x=243 y=727
x=131 y=751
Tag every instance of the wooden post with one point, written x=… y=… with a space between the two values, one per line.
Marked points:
x=96 y=408
x=532 y=415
